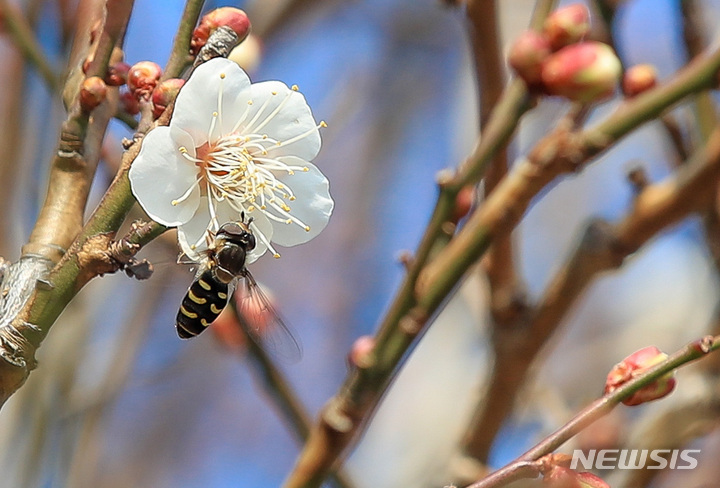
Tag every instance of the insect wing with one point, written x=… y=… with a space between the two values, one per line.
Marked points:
x=263 y=323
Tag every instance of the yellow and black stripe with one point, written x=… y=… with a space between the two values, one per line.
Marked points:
x=203 y=302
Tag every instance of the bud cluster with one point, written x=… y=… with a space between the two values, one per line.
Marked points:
x=558 y=61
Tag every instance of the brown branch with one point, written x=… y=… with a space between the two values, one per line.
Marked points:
x=603 y=247
x=599 y=408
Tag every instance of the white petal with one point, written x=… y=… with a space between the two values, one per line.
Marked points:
x=199 y=97
x=193 y=233
x=293 y=119
x=313 y=204
x=259 y=225
x=159 y=175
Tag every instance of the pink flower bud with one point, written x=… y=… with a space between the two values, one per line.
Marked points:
x=231 y=17
x=463 y=203
x=633 y=366
x=583 y=72
x=567 y=25
x=360 y=352
x=142 y=79
x=117 y=74
x=638 y=79
x=562 y=477
x=164 y=94
x=227 y=331
x=527 y=55
x=129 y=103
x=92 y=93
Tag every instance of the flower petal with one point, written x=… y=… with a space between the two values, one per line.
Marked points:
x=197 y=102
x=192 y=234
x=259 y=225
x=313 y=204
x=282 y=114
x=160 y=174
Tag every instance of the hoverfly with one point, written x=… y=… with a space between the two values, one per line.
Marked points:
x=223 y=268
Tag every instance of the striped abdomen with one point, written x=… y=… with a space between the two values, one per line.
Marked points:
x=202 y=304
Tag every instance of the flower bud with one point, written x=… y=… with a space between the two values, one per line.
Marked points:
x=463 y=203
x=562 y=477
x=164 y=94
x=129 y=103
x=638 y=79
x=117 y=74
x=92 y=93
x=583 y=72
x=231 y=17
x=247 y=54
x=527 y=55
x=227 y=331
x=567 y=25
x=142 y=79
x=360 y=353
x=634 y=365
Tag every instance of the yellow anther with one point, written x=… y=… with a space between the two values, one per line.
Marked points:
x=250 y=102
x=265 y=136
x=193 y=246
x=286 y=208
x=250 y=208
x=288 y=221
x=183 y=149
x=292 y=198
x=222 y=76
x=276 y=256
x=214 y=114
x=307 y=228
x=291 y=172
x=306 y=169
x=274 y=93
x=263 y=207
x=294 y=88
x=323 y=124
x=174 y=202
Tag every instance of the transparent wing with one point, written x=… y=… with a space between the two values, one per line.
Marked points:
x=262 y=322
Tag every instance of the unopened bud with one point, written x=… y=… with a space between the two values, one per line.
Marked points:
x=129 y=103
x=117 y=74
x=361 y=352
x=562 y=477
x=227 y=331
x=92 y=93
x=231 y=17
x=583 y=72
x=247 y=54
x=634 y=365
x=567 y=25
x=638 y=79
x=143 y=78
x=164 y=94
x=527 y=55
x=463 y=203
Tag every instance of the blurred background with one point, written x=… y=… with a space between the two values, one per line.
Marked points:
x=118 y=400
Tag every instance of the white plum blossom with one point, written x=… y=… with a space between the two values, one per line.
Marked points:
x=233 y=147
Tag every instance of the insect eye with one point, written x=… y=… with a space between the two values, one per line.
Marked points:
x=251 y=241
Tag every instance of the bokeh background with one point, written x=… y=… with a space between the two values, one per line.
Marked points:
x=118 y=400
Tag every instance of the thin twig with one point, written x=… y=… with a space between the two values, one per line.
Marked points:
x=180 y=57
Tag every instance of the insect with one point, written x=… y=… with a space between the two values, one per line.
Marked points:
x=223 y=269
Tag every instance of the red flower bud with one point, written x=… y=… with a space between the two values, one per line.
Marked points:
x=583 y=72
x=92 y=93
x=527 y=54
x=117 y=74
x=231 y=17
x=633 y=366
x=129 y=103
x=142 y=79
x=567 y=25
x=638 y=79
x=164 y=94
x=360 y=352
x=562 y=477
